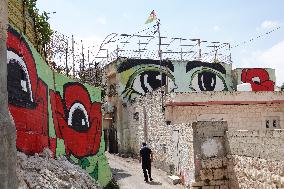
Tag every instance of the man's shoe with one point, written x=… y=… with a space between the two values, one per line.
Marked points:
x=151 y=179
x=146 y=181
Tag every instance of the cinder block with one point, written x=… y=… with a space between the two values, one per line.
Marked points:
x=174 y=179
x=206 y=174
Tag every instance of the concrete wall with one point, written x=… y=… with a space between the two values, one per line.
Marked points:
x=138 y=76
x=256 y=159
x=8 y=156
x=51 y=110
x=242 y=110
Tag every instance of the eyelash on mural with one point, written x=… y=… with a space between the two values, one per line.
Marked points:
x=127 y=93
x=144 y=80
x=207 y=79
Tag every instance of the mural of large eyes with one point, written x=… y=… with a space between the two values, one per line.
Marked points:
x=18 y=81
x=259 y=79
x=78 y=118
x=27 y=96
x=204 y=76
x=147 y=79
x=207 y=80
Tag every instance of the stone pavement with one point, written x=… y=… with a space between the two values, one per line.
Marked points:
x=129 y=175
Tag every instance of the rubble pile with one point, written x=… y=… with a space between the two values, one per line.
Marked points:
x=42 y=171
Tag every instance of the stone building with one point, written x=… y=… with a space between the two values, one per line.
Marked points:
x=216 y=139
x=200 y=127
x=127 y=79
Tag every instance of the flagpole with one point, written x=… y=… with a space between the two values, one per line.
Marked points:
x=160 y=56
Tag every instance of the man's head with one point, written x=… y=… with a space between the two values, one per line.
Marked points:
x=144 y=144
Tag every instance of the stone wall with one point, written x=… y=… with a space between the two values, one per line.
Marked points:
x=210 y=155
x=256 y=159
x=172 y=145
x=242 y=159
x=242 y=110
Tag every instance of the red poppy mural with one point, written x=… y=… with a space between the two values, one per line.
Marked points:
x=77 y=120
x=258 y=78
x=27 y=96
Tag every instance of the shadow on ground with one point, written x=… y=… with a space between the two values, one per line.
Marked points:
x=119 y=174
x=154 y=183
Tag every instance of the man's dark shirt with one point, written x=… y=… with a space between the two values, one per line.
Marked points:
x=145 y=154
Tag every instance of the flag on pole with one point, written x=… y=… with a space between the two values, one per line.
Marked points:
x=151 y=18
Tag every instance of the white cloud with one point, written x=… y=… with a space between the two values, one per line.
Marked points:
x=102 y=20
x=270 y=58
x=216 y=28
x=274 y=58
x=269 y=24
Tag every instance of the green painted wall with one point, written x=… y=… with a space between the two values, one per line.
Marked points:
x=61 y=132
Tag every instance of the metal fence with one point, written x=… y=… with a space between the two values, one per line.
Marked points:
x=74 y=58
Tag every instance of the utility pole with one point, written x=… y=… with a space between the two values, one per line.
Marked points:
x=73 y=56
x=8 y=153
x=83 y=57
x=66 y=59
x=199 y=49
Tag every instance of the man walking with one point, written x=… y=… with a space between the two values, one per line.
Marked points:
x=147 y=157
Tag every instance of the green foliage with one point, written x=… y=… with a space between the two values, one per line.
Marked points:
x=42 y=27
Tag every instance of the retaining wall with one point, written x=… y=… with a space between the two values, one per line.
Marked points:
x=53 y=111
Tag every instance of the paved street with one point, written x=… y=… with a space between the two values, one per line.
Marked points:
x=128 y=173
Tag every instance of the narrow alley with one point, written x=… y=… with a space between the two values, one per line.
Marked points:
x=128 y=174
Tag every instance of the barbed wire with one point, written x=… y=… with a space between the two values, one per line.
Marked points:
x=76 y=59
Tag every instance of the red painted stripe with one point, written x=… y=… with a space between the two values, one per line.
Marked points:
x=224 y=103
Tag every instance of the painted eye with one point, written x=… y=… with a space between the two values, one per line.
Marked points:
x=256 y=80
x=146 y=80
x=207 y=80
x=149 y=81
x=18 y=81
x=78 y=118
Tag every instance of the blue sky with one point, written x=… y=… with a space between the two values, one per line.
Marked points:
x=220 y=20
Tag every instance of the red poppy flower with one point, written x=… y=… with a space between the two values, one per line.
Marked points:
x=77 y=120
x=27 y=96
x=258 y=78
